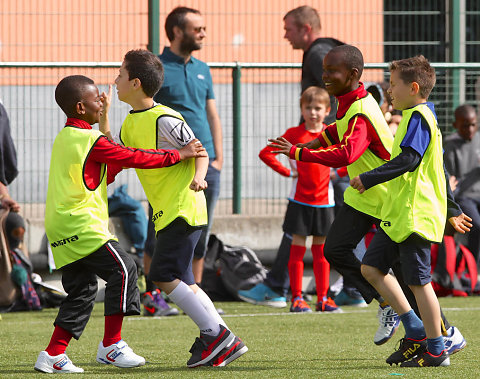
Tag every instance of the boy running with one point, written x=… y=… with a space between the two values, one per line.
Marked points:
x=413 y=214
x=361 y=140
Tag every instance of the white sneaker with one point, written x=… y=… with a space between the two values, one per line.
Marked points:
x=119 y=354
x=454 y=341
x=58 y=364
x=388 y=324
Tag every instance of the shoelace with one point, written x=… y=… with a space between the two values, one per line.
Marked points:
x=198 y=341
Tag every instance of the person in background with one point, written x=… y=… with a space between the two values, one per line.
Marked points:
x=310 y=207
x=188 y=89
x=462 y=161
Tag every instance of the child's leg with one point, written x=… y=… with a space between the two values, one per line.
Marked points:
x=430 y=310
x=183 y=296
x=321 y=268
x=207 y=304
x=295 y=264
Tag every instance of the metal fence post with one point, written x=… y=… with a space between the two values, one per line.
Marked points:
x=237 y=139
x=154 y=26
x=457 y=50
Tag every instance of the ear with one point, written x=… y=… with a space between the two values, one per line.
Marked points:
x=177 y=32
x=414 y=88
x=354 y=74
x=307 y=28
x=80 y=108
x=137 y=83
x=328 y=111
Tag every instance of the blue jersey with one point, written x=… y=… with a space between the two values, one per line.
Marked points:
x=418 y=132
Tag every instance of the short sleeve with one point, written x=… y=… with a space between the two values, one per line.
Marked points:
x=173 y=132
x=210 y=93
x=418 y=134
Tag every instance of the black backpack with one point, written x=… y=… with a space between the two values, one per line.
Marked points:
x=229 y=269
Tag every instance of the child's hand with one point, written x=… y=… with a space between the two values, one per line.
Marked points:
x=106 y=100
x=281 y=144
x=314 y=144
x=357 y=184
x=198 y=185
x=461 y=223
x=194 y=149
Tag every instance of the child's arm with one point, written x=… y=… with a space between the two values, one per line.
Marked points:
x=104 y=124
x=268 y=157
x=406 y=161
x=354 y=143
x=201 y=166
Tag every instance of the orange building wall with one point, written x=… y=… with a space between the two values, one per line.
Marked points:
x=246 y=31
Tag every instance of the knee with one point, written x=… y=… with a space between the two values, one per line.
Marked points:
x=369 y=273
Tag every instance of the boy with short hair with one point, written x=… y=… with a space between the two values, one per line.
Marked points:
x=361 y=140
x=179 y=209
x=413 y=214
x=310 y=205
x=83 y=162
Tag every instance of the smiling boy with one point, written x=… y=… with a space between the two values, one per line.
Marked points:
x=83 y=162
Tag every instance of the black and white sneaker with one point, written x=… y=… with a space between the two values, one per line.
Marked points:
x=205 y=348
x=428 y=360
x=408 y=348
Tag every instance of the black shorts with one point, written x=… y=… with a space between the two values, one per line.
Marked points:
x=173 y=254
x=307 y=221
x=413 y=255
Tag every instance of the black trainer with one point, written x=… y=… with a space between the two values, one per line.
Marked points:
x=205 y=348
x=428 y=360
x=408 y=348
x=229 y=353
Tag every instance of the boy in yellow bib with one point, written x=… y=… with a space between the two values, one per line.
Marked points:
x=413 y=214
x=179 y=207
x=83 y=162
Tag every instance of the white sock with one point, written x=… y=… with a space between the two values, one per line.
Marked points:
x=185 y=298
x=208 y=305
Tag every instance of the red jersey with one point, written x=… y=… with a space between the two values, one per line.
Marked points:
x=312 y=185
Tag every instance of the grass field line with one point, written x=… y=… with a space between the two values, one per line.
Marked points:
x=282 y=314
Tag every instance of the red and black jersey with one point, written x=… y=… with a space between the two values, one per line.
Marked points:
x=312 y=185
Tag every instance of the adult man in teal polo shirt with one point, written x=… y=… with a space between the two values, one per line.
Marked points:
x=188 y=89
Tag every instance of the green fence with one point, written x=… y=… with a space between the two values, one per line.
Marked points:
x=253 y=105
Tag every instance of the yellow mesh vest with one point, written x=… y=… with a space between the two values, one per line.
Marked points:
x=417 y=201
x=370 y=202
x=76 y=218
x=167 y=188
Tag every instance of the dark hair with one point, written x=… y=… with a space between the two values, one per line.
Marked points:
x=177 y=18
x=147 y=67
x=70 y=91
x=464 y=110
x=352 y=57
x=315 y=93
x=305 y=15
x=416 y=69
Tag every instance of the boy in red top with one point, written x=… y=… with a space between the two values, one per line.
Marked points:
x=310 y=207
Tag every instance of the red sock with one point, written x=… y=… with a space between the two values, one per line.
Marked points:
x=113 y=329
x=295 y=269
x=59 y=341
x=321 y=270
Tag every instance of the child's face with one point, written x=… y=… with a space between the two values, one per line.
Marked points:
x=92 y=105
x=466 y=125
x=314 y=113
x=124 y=85
x=337 y=77
x=402 y=94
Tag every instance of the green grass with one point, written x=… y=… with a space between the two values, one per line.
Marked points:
x=281 y=345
